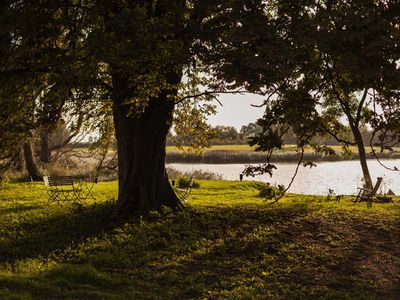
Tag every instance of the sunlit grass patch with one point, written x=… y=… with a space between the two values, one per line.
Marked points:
x=228 y=243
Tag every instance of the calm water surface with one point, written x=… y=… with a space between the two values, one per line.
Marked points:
x=343 y=177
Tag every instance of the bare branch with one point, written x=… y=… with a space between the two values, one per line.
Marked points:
x=336 y=137
x=360 y=107
x=395 y=169
x=213 y=94
x=293 y=177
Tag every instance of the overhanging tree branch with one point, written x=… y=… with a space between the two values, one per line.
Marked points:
x=212 y=94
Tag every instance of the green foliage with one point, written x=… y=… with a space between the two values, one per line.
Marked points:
x=250 y=130
x=191 y=127
x=184 y=182
x=193 y=108
x=226 y=135
x=270 y=192
x=187 y=139
x=198 y=174
x=204 y=175
x=334 y=59
x=346 y=152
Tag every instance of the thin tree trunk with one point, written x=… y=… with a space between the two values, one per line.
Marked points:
x=45 y=152
x=143 y=183
x=354 y=126
x=363 y=158
x=19 y=162
x=31 y=164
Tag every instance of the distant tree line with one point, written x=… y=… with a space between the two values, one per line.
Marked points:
x=229 y=135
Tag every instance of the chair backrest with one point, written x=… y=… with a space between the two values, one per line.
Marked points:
x=376 y=187
x=46 y=180
x=58 y=181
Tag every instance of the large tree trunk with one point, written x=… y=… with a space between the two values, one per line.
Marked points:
x=363 y=158
x=141 y=138
x=30 y=161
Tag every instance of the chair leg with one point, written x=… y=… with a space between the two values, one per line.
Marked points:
x=358 y=196
x=56 y=197
x=65 y=196
x=51 y=197
x=77 y=196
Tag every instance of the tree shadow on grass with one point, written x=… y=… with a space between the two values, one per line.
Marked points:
x=17 y=209
x=277 y=252
x=32 y=253
x=41 y=231
x=294 y=255
x=96 y=275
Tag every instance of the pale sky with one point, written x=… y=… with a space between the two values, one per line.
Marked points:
x=237 y=110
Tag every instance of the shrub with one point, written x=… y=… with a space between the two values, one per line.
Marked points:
x=55 y=169
x=204 y=175
x=269 y=192
x=173 y=173
x=198 y=174
x=184 y=182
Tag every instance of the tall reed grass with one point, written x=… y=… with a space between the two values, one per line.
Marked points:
x=240 y=157
x=197 y=174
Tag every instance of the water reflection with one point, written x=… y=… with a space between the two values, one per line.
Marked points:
x=343 y=177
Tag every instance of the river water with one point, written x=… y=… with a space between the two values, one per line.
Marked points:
x=342 y=176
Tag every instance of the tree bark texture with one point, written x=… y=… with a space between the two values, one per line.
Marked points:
x=143 y=183
x=354 y=126
x=45 y=151
x=30 y=161
x=19 y=161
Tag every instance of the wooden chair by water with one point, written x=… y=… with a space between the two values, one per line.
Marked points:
x=368 y=194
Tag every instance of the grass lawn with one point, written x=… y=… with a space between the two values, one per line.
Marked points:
x=228 y=244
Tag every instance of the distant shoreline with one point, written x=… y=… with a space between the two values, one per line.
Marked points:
x=244 y=157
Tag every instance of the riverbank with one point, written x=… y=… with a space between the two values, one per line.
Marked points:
x=249 y=156
x=342 y=177
x=228 y=244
